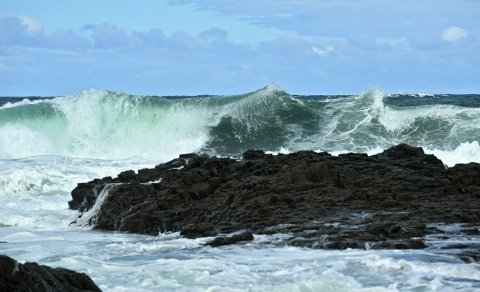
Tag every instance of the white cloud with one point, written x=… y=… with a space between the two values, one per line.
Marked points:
x=323 y=52
x=212 y=62
x=32 y=26
x=454 y=34
x=215 y=35
x=347 y=18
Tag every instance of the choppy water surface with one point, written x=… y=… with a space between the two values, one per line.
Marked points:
x=49 y=145
x=124 y=262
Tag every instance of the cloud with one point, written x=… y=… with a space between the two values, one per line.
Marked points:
x=323 y=52
x=3 y=68
x=26 y=31
x=287 y=44
x=66 y=40
x=154 y=38
x=18 y=30
x=347 y=18
x=454 y=34
x=32 y=26
x=23 y=31
x=114 y=57
x=108 y=36
x=214 y=35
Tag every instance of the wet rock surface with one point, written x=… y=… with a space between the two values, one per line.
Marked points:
x=232 y=238
x=389 y=200
x=34 y=277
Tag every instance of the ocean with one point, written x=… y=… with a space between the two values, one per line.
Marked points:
x=49 y=144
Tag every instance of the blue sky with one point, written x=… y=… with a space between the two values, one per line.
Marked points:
x=167 y=47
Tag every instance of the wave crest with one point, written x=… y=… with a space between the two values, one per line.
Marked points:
x=105 y=124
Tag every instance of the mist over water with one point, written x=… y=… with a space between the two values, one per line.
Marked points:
x=49 y=145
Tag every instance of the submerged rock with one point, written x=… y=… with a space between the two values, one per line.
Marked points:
x=350 y=201
x=34 y=277
x=231 y=238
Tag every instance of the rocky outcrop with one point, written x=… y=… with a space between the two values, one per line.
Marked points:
x=387 y=200
x=34 y=277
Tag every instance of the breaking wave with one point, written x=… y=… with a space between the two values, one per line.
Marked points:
x=102 y=124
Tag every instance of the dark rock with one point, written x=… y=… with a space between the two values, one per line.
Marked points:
x=148 y=175
x=199 y=230
x=34 y=277
x=472 y=231
x=254 y=154
x=403 y=151
x=465 y=177
x=127 y=176
x=400 y=244
x=232 y=238
x=470 y=256
x=351 y=201
x=189 y=156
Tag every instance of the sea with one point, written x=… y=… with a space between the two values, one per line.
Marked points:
x=49 y=144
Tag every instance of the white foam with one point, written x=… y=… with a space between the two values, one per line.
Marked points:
x=465 y=153
x=90 y=218
x=126 y=262
x=22 y=236
x=24 y=101
x=41 y=211
x=101 y=124
x=109 y=125
x=20 y=141
x=56 y=174
x=282 y=150
x=158 y=180
x=104 y=125
x=35 y=191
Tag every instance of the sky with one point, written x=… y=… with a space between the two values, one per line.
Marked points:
x=191 y=47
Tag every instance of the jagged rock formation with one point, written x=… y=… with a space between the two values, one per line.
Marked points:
x=353 y=200
x=34 y=277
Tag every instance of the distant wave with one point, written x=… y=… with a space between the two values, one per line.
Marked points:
x=105 y=124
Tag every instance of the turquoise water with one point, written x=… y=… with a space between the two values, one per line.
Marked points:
x=110 y=125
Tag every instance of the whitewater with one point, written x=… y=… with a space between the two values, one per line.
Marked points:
x=48 y=145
